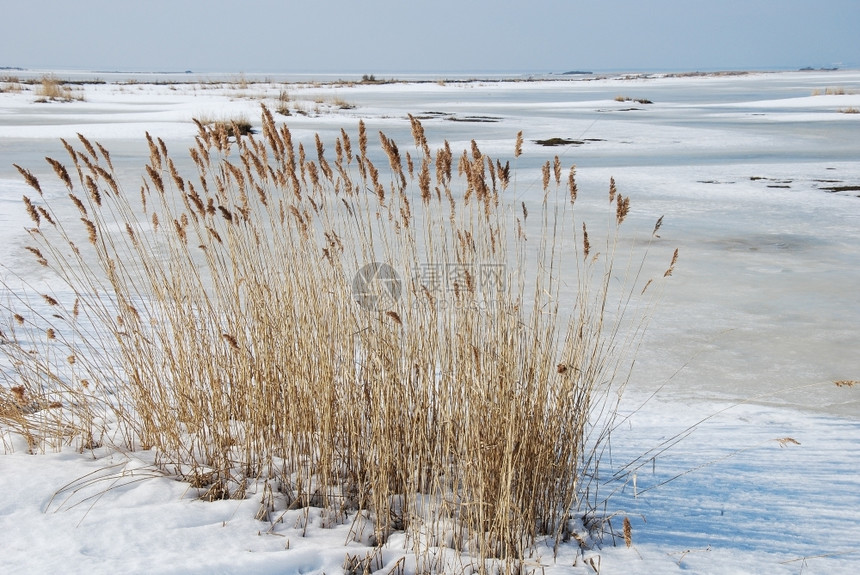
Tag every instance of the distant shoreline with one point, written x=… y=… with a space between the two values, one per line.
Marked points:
x=29 y=75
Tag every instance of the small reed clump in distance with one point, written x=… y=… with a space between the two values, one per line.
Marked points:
x=51 y=89
x=213 y=319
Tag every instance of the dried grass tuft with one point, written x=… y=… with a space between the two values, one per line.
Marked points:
x=51 y=89
x=460 y=385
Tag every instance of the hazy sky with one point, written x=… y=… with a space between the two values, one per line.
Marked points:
x=382 y=36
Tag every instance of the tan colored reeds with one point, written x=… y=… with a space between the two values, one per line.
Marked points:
x=51 y=89
x=216 y=320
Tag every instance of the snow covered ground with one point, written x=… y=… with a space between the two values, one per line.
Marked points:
x=759 y=321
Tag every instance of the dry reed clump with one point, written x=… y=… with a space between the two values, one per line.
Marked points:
x=283 y=103
x=621 y=98
x=222 y=321
x=10 y=85
x=846 y=382
x=228 y=126
x=833 y=91
x=51 y=89
x=340 y=103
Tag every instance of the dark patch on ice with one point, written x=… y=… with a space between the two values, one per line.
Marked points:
x=783 y=184
x=774 y=180
x=643 y=101
x=454 y=118
x=815 y=183
x=836 y=189
x=565 y=141
x=558 y=142
x=480 y=119
x=768 y=243
x=619 y=110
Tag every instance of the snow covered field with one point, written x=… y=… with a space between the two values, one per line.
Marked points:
x=758 y=178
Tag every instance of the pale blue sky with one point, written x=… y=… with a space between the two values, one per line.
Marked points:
x=384 y=36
